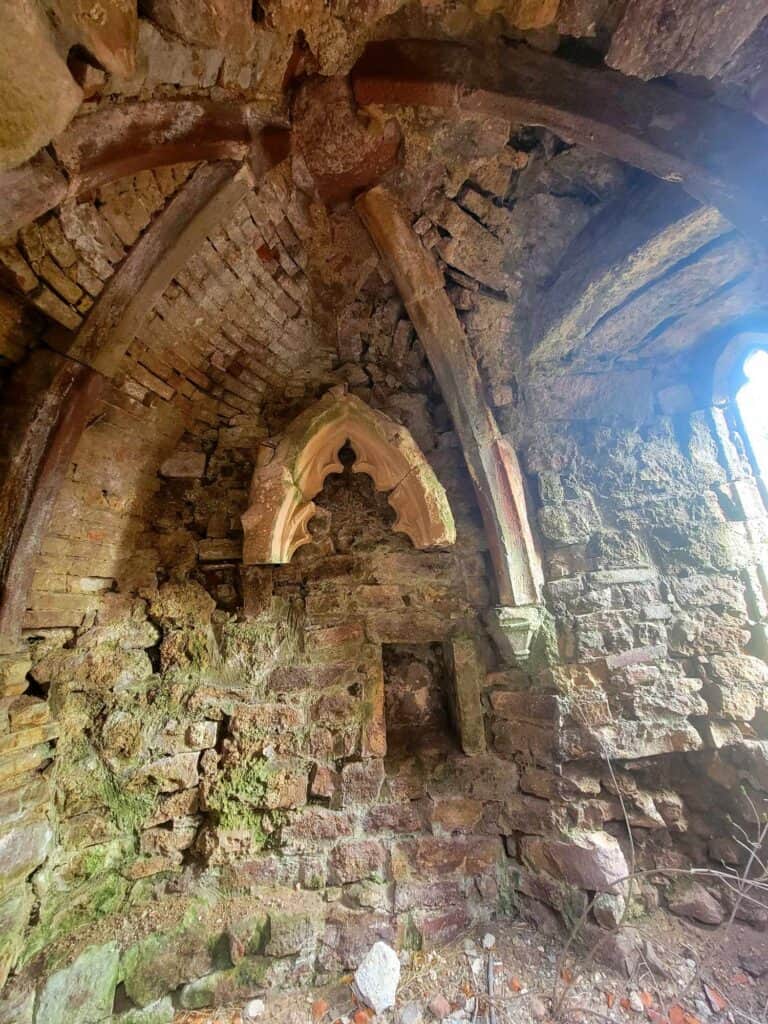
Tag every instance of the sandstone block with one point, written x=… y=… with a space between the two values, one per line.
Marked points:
x=361 y=781
x=455 y=814
x=688 y=898
x=38 y=96
x=248 y=978
x=348 y=937
x=221 y=24
x=427 y=857
x=317 y=823
x=291 y=934
x=394 y=818
x=173 y=773
x=23 y=849
x=592 y=861
x=13 y=672
x=27 y=712
x=161 y=962
x=356 y=860
x=431 y=895
x=184 y=465
x=84 y=992
x=522 y=813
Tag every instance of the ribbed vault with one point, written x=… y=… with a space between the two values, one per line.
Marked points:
x=496 y=251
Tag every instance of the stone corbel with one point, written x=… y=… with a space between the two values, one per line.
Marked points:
x=514 y=631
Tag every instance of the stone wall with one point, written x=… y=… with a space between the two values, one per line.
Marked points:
x=220 y=777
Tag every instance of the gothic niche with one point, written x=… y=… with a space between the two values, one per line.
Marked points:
x=291 y=470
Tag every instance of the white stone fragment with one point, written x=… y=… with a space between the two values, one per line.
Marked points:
x=378 y=976
x=252 y=1010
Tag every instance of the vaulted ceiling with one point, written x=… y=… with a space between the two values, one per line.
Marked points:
x=181 y=250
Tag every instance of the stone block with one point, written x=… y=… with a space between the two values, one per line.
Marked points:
x=159 y=963
x=356 y=860
x=246 y=979
x=173 y=773
x=324 y=782
x=406 y=817
x=361 y=782
x=23 y=849
x=293 y=934
x=349 y=935
x=468 y=679
x=184 y=465
x=316 y=824
x=165 y=842
x=286 y=787
x=592 y=861
x=220 y=549
x=84 y=992
x=247 y=936
x=18 y=1007
x=223 y=24
x=14 y=916
x=455 y=814
x=159 y=1012
x=38 y=95
x=427 y=857
x=429 y=895
x=688 y=898
x=13 y=674
x=522 y=813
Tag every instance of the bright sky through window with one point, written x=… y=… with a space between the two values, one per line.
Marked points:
x=753 y=405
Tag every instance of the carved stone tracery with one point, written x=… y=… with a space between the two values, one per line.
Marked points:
x=291 y=472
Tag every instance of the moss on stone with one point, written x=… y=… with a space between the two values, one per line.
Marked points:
x=69 y=912
x=238 y=795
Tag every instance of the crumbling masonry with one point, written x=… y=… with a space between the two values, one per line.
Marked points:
x=379 y=536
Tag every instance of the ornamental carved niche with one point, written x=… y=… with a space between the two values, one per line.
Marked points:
x=291 y=471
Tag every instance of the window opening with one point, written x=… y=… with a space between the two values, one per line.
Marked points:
x=752 y=401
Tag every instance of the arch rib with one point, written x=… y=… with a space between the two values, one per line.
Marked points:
x=491 y=460
x=719 y=156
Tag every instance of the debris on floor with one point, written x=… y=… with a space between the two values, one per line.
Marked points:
x=682 y=974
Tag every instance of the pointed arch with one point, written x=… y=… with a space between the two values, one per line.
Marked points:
x=291 y=472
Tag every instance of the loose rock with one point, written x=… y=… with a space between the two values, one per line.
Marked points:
x=378 y=976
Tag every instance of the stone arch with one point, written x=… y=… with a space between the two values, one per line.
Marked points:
x=728 y=375
x=292 y=470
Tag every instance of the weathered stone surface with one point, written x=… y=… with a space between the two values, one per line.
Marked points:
x=22 y=849
x=688 y=898
x=161 y=962
x=683 y=36
x=248 y=978
x=84 y=992
x=592 y=861
x=101 y=669
x=378 y=976
x=14 y=914
x=185 y=465
x=323 y=111
x=38 y=96
x=292 y=933
x=356 y=860
x=361 y=782
x=173 y=773
x=469 y=675
x=159 y=1012
x=219 y=24
x=108 y=34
